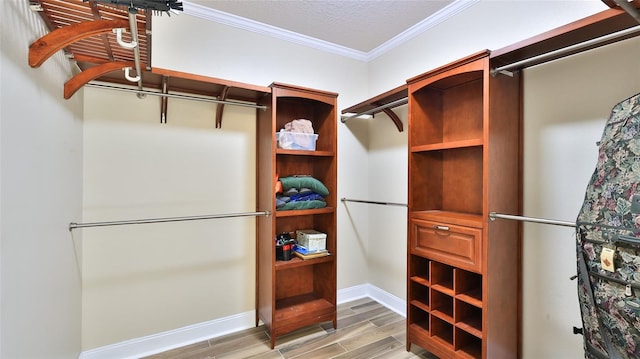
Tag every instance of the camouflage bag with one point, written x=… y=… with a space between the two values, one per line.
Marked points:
x=608 y=241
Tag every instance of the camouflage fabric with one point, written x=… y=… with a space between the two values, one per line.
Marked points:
x=609 y=222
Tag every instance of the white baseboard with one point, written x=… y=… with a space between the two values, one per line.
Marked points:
x=160 y=342
x=156 y=343
x=367 y=290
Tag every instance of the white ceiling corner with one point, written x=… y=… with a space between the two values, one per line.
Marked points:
x=224 y=18
x=424 y=25
x=337 y=21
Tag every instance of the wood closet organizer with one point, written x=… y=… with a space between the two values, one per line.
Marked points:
x=295 y=293
x=463 y=269
x=463 y=159
x=463 y=294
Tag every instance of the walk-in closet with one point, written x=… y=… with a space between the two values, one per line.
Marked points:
x=179 y=181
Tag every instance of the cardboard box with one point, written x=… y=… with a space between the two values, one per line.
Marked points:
x=311 y=239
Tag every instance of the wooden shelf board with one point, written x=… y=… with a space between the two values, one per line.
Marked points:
x=282 y=151
x=199 y=84
x=471 y=326
x=299 y=262
x=304 y=212
x=461 y=219
x=446 y=342
x=302 y=305
x=300 y=92
x=447 y=317
x=382 y=99
x=476 y=142
x=470 y=352
x=594 y=26
x=187 y=83
x=473 y=297
x=420 y=305
x=446 y=288
x=420 y=280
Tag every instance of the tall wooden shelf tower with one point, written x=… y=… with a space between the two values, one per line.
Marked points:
x=296 y=293
x=463 y=269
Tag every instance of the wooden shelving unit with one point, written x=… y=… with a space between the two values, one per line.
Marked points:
x=462 y=282
x=296 y=293
x=382 y=103
x=566 y=37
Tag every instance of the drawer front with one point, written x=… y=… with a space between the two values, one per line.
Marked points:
x=454 y=245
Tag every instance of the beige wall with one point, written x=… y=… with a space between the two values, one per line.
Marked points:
x=488 y=24
x=566 y=106
x=135 y=277
x=144 y=279
x=40 y=193
x=386 y=247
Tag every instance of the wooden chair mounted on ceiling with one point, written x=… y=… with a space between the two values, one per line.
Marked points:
x=89 y=33
x=81 y=28
x=60 y=38
x=46 y=46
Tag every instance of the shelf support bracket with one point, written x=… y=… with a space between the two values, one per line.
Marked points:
x=220 y=107
x=81 y=79
x=164 y=100
x=386 y=108
x=49 y=44
x=396 y=120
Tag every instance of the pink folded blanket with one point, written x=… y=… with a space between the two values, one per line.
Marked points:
x=299 y=125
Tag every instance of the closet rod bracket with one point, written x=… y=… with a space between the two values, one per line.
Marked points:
x=496 y=72
x=396 y=103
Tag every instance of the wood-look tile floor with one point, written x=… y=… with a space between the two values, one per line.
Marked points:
x=366 y=330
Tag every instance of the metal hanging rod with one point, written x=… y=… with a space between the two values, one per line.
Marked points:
x=506 y=69
x=184 y=97
x=493 y=216
x=74 y=225
x=373 y=202
x=395 y=103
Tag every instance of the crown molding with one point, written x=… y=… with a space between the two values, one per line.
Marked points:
x=276 y=32
x=268 y=30
x=447 y=12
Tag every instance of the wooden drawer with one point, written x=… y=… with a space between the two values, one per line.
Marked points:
x=447 y=243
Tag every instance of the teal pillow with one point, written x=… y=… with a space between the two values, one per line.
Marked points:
x=303 y=205
x=304 y=182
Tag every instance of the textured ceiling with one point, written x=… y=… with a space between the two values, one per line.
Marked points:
x=360 y=25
